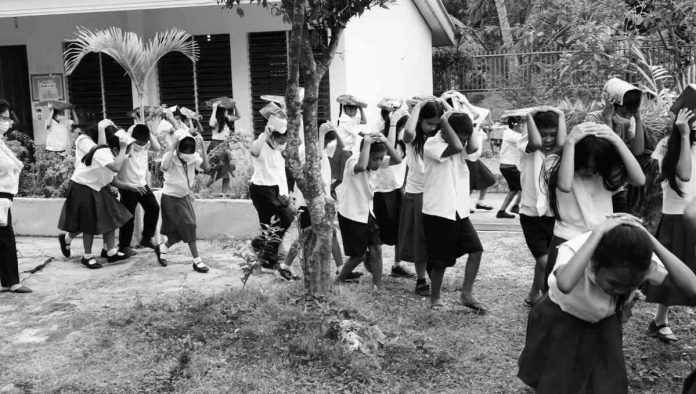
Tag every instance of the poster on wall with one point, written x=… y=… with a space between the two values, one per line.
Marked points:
x=47 y=87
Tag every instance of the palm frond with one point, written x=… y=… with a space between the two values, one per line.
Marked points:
x=173 y=40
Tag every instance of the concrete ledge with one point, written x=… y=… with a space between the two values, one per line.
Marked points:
x=215 y=218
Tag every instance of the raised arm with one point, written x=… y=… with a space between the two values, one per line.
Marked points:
x=533 y=134
x=454 y=144
x=394 y=156
x=472 y=143
x=412 y=123
x=120 y=159
x=684 y=164
x=364 y=155
x=258 y=144
x=154 y=143
x=363 y=118
x=75 y=118
x=636 y=177
x=213 y=120
x=566 y=171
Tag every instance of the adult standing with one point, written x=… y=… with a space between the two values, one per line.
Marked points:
x=10 y=167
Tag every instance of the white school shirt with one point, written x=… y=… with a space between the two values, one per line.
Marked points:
x=672 y=204
x=355 y=193
x=392 y=177
x=477 y=155
x=509 y=154
x=416 y=171
x=269 y=169
x=446 y=186
x=586 y=206
x=10 y=167
x=325 y=177
x=58 y=135
x=533 y=166
x=95 y=176
x=349 y=131
x=586 y=300
x=179 y=181
x=221 y=135
x=134 y=169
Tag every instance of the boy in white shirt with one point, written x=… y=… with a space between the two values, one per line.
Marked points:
x=133 y=188
x=449 y=233
x=509 y=159
x=357 y=222
x=59 y=127
x=269 y=189
x=546 y=134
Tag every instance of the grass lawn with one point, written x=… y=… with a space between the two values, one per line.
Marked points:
x=266 y=339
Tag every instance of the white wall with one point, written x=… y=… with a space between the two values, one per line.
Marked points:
x=387 y=53
x=383 y=53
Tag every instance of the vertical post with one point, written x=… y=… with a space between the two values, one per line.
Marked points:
x=101 y=81
x=195 y=87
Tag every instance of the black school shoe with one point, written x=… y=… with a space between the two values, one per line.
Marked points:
x=400 y=271
x=200 y=267
x=117 y=257
x=63 y=245
x=91 y=263
x=504 y=215
x=161 y=257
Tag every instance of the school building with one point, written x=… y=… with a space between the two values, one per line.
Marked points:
x=382 y=53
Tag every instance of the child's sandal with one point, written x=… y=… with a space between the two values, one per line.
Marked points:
x=200 y=267
x=437 y=306
x=91 y=263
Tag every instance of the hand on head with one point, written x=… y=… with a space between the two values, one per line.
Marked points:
x=682 y=121
x=618 y=219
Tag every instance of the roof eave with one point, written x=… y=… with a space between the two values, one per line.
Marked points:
x=437 y=18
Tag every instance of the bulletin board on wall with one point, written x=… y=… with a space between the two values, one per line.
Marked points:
x=47 y=87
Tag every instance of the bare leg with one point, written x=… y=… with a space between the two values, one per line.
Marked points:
x=538 y=281
x=436 y=277
x=482 y=194
x=225 y=185
x=508 y=200
x=472 y=266
x=194 y=249
x=336 y=251
x=87 y=240
x=374 y=254
x=348 y=267
x=110 y=240
x=420 y=269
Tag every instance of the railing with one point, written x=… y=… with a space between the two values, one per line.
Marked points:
x=503 y=71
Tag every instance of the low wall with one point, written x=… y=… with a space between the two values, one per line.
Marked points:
x=216 y=218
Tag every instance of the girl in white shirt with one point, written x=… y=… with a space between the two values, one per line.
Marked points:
x=423 y=122
x=349 y=127
x=594 y=164
x=676 y=156
x=59 y=127
x=178 y=217
x=89 y=207
x=574 y=334
x=222 y=125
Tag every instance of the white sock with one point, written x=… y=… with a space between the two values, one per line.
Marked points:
x=197 y=260
x=88 y=256
x=163 y=248
x=68 y=239
x=112 y=252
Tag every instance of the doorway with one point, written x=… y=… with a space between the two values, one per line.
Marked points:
x=14 y=84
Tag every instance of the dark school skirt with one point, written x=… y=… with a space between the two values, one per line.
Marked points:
x=512 y=177
x=551 y=260
x=674 y=236
x=480 y=177
x=358 y=236
x=387 y=209
x=538 y=232
x=224 y=169
x=178 y=218
x=563 y=354
x=411 y=246
x=447 y=240
x=88 y=211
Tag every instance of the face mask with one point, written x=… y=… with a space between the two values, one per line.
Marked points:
x=331 y=148
x=4 y=126
x=187 y=158
x=618 y=119
x=138 y=148
x=280 y=147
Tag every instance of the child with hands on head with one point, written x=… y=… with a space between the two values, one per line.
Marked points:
x=574 y=335
x=358 y=225
x=539 y=148
x=449 y=233
x=222 y=123
x=89 y=207
x=178 y=217
x=594 y=164
x=676 y=156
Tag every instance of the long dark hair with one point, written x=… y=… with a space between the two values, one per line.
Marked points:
x=92 y=132
x=668 y=169
x=222 y=119
x=431 y=109
x=608 y=165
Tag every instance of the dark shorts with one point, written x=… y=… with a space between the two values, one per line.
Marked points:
x=512 y=176
x=387 y=209
x=446 y=240
x=538 y=231
x=357 y=237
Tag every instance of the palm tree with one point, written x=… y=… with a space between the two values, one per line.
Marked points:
x=127 y=49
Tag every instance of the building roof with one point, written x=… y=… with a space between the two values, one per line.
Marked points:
x=433 y=11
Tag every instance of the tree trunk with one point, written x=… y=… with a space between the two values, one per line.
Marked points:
x=506 y=34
